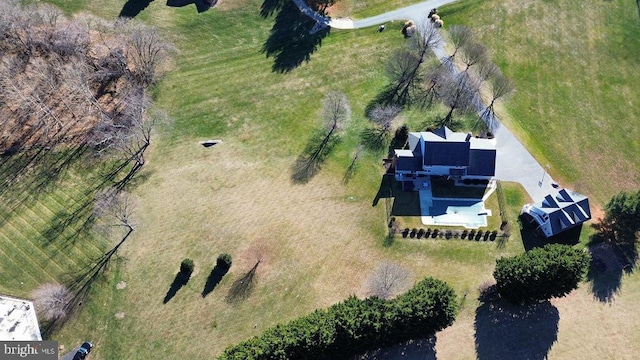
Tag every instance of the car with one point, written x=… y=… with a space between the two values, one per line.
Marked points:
x=83 y=351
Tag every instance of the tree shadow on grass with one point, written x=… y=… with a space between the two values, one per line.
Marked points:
x=179 y=281
x=216 y=275
x=315 y=153
x=242 y=287
x=507 y=331
x=132 y=8
x=608 y=263
x=290 y=42
x=421 y=349
x=605 y=279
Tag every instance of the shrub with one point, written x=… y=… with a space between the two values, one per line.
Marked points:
x=485 y=237
x=224 y=261
x=405 y=233
x=413 y=233
x=540 y=274
x=448 y=234
x=186 y=266
x=464 y=234
x=456 y=234
x=478 y=235
x=354 y=326
x=420 y=233
x=434 y=233
x=472 y=234
x=494 y=235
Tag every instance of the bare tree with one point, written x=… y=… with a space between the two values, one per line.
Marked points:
x=460 y=36
x=435 y=76
x=474 y=53
x=388 y=280
x=353 y=166
x=404 y=67
x=458 y=93
x=335 y=113
x=487 y=70
x=501 y=87
x=148 y=51
x=51 y=301
x=383 y=115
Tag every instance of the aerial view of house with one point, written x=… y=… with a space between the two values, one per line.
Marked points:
x=327 y=179
x=442 y=152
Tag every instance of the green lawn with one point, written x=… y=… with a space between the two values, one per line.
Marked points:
x=317 y=242
x=575 y=69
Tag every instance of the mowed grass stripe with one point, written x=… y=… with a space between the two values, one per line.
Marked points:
x=14 y=273
x=26 y=236
x=27 y=259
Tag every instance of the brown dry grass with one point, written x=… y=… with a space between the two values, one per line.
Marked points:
x=223 y=200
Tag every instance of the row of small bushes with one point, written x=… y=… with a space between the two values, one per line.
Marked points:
x=475 y=181
x=355 y=326
x=454 y=234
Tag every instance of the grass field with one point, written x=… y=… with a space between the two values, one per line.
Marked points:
x=317 y=242
x=574 y=65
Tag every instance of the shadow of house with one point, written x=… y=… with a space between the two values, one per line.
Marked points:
x=179 y=281
x=422 y=349
x=216 y=275
x=290 y=42
x=531 y=237
x=506 y=331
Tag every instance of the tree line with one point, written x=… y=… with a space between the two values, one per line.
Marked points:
x=355 y=326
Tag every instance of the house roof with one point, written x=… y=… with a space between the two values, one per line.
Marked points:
x=18 y=320
x=565 y=208
x=482 y=162
x=445 y=147
x=405 y=160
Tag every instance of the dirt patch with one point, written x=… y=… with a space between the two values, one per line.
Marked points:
x=119 y=315
x=121 y=285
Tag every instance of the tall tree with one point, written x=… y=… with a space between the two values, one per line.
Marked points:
x=501 y=87
x=622 y=214
x=474 y=53
x=460 y=36
x=458 y=93
x=404 y=67
x=541 y=274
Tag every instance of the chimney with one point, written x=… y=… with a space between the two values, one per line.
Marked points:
x=468 y=137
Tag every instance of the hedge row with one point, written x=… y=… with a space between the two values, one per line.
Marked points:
x=455 y=234
x=355 y=326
